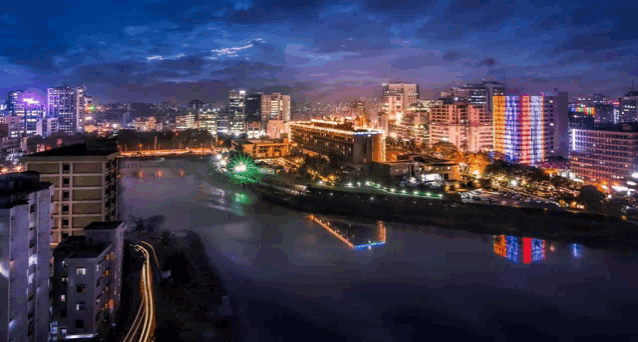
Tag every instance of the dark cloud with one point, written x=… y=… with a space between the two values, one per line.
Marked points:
x=451 y=56
x=488 y=62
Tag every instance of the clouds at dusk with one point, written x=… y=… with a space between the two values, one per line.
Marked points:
x=151 y=50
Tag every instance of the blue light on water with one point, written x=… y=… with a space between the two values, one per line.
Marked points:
x=577 y=250
x=513 y=247
x=380 y=243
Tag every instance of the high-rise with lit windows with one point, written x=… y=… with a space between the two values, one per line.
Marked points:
x=25 y=218
x=397 y=97
x=68 y=104
x=530 y=128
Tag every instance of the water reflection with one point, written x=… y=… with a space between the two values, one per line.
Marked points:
x=355 y=236
x=577 y=250
x=512 y=247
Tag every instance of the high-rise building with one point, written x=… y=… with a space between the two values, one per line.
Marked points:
x=629 y=107
x=15 y=102
x=47 y=127
x=397 y=97
x=86 y=281
x=266 y=107
x=356 y=145
x=25 y=255
x=68 y=104
x=14 y=123
x=466 y=125
x=85 y=179
x=478 y=94
x=607 y=155
x=528 y=129
x=237 y=112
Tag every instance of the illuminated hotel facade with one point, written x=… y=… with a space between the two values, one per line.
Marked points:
x=528 y=129
x=357 y=145
x=607 y=156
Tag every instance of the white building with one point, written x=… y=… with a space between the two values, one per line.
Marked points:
x=397 y=97
x=25 y=218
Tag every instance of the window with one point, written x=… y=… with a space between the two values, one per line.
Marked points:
x=79 y=306
x=66 y=168
x=63 y=313
x=65 y=223
x=65 y=195
x=81 y=271
x=80 y=288
x=65 y=209
x=64 y=280
x=32 y=208
x=66 y=181
x=63 y=298
x=79 y=324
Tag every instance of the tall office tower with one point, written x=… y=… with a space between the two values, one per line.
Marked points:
x=265 y=107
x=25 y=218
x=85 y=179
x=528 y=129
x=629 y=107
x=237 y=112
x=80 y=308
x=466 y=125
x=196 y=106
x=68 y=104
x=397 y=97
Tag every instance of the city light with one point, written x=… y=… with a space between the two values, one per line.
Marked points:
x=240 y=168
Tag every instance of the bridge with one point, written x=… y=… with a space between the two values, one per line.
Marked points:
x=158 y=153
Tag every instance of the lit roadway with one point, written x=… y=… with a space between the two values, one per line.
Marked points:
x=143 y=327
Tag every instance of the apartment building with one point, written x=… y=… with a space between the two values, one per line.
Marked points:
x=25 y=256
x=85 y=178
x=468 y=126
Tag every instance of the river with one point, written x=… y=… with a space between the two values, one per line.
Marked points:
x=292 y=279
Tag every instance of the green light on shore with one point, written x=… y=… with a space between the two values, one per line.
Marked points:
x=243 y=169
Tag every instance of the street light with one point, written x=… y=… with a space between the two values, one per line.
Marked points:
x=240 y=167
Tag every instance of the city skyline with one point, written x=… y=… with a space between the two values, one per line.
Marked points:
x=182 y=51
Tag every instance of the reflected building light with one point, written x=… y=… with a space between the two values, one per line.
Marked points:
x=577 y=250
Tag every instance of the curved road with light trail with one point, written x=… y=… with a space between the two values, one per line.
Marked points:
x=143 y=326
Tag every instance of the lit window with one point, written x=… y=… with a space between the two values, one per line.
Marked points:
x=79 y=306
x=63 y=298
x=81 y=271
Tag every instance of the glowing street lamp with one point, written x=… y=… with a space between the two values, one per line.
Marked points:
x=240 y=168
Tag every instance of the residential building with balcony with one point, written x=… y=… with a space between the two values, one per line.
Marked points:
x=85 y=178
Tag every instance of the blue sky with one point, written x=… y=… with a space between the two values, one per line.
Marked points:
x=153 y=50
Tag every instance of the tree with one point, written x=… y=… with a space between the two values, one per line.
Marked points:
x=446 y=149
x=591 y=198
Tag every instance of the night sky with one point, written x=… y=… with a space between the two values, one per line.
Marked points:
x=179 y=50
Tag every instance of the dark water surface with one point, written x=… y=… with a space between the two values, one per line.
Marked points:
x=293 y=280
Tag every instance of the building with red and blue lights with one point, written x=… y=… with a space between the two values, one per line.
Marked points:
x=530 y=128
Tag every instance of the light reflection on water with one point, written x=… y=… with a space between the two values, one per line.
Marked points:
x=284 y=270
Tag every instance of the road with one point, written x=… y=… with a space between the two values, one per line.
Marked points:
x=143 y=327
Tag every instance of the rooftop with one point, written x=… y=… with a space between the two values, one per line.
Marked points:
x=335 y=125
x=79 y=247
x=13 y=186
x=90 y=148
x=103 y=225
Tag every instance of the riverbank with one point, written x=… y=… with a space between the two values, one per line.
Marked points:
x=596 y=231
x=193 y=303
